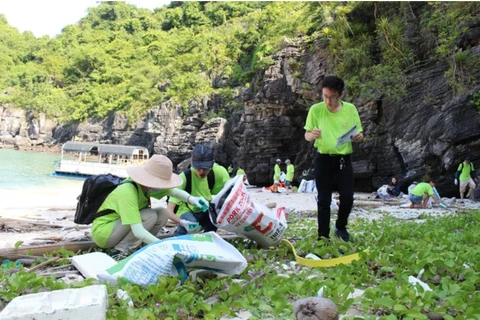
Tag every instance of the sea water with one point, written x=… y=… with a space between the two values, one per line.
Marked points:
x=26 y=169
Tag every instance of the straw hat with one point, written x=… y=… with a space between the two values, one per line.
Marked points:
x=157 y=172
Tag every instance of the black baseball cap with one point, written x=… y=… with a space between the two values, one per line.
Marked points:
x=202 y=157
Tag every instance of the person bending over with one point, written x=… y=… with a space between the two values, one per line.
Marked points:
x=133 y=221
x=203 y=180
x=421 y=194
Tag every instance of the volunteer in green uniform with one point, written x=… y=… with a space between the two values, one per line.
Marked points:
x=276 y=175
x=466 y=174
x=326 y=122
x=240 y=171
x=133 y=220
x=202 y=166
x=422 y=192
x=290 y=174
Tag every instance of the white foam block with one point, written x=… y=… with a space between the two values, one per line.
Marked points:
x=91 y=264
x=69 y=304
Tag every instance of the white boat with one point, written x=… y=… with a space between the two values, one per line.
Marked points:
x=90 y=158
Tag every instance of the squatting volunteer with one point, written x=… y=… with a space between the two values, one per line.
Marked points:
x=421 y=194
x=132 y=221
x=326 y=122
x=202 y=173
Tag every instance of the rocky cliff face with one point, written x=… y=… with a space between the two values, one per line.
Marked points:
x=21 y=129
x=428 y=133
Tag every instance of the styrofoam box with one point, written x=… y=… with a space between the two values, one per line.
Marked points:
x=68 y=304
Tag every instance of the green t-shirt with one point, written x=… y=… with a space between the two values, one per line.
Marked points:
x=290 y=172
x=422 y=188
x=240 y=171
x=276 y=172
x=200 y=188
x=466 y=171
x=333 y=125
x=126 y=200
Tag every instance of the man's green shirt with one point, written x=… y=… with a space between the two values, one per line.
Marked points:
x=421 y=189
x=333 y=126
x=276 y=172
x=467 y=169
x=290 y=172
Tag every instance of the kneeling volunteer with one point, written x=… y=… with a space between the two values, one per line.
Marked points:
x=133 y=220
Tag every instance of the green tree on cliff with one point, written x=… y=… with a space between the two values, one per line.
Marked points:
x=116 y=57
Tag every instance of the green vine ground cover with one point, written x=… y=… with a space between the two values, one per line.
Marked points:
x=446 y=248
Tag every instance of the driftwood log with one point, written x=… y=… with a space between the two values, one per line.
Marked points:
x=315 y=308
x=32 y=252
x=40 y=250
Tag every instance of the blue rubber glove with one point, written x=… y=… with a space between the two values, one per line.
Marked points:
x=443 y=205
x=200 y=202
x=190 y=226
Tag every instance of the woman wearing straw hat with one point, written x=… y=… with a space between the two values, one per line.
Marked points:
x=133 y=220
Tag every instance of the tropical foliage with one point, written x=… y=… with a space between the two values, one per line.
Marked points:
x=442 y=251
x=121 y=58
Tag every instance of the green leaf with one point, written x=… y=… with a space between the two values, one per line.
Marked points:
x=298 y=286
x=449 y=263
x=399 y=307
x=385 y=302
x=18 y=244
x=265 y=307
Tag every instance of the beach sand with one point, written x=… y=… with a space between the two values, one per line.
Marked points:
x=53 y=205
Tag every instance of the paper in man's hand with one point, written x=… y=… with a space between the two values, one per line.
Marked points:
x=346 y=137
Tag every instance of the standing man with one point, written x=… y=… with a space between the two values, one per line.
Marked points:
x=466 y=173
x=327 y=121
x=201 y=181
x=276 y=175
x=290 y=174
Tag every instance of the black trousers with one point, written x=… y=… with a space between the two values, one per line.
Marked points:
x=327 y=174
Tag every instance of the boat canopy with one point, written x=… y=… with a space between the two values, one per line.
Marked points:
x=103 y=148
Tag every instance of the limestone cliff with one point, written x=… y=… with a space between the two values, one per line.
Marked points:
x=429 y=132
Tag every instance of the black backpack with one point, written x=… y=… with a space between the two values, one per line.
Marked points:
x=94 y=192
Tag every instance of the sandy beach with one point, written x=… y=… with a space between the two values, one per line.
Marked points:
x=38 y=208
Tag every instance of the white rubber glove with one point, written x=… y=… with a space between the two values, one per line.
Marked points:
x=200 y=202
x=456 y=182
x=190 y=226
